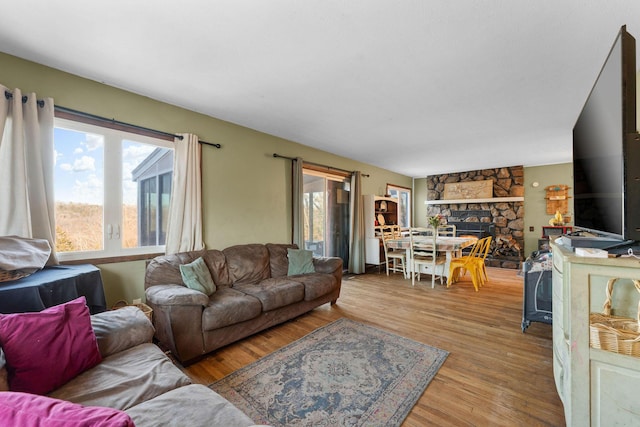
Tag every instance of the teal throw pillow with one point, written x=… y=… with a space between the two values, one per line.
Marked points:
x=196 y=276
x=300 y=261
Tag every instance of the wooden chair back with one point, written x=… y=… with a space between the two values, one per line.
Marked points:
x=448 y=230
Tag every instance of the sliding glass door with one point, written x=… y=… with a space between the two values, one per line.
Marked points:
x=326 y=214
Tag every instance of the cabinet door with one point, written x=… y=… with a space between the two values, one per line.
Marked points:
x=614 y=394
x=372 y=251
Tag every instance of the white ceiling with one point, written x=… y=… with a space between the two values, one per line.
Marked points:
x=418 y=87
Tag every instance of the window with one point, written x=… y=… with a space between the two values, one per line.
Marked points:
x=112 y=191
x=403 y=195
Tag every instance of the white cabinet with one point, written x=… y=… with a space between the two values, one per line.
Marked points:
x=377 y=210
x=597 y=388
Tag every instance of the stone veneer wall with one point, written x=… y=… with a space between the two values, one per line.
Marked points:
x=507 y=216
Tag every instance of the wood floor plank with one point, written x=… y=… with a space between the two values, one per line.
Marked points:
x=494 y=375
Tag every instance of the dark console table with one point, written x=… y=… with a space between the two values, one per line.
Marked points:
x=52 y=286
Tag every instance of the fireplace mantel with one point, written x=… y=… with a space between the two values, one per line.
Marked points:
x=487 y=200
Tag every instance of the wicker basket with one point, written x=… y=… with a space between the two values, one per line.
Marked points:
x=9 y=275
x=148 y=311
x=615 y=333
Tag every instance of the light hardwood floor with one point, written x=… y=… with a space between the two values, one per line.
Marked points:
x=495 y=375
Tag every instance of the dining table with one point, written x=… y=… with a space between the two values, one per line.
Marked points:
x=449 y=245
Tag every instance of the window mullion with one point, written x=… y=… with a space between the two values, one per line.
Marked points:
x=113 y=192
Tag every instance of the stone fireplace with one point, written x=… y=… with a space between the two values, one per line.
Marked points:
x=500 y=216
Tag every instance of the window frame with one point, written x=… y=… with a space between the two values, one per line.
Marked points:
x=401 y=189
x=114 y=136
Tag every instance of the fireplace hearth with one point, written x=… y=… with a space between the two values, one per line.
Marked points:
x=477 y=229
x=472 y=223
x=504 y=251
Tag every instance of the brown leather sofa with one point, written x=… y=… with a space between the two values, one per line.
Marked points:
x=253 y=293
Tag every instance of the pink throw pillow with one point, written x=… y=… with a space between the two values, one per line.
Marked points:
x=46 y=349
x=30 y=410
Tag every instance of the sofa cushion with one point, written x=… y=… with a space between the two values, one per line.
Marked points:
x=46 y=349
x=30 y=410
x=275 y=293
x=194 y=405
x=228 y=307
x=124 y=379
x=316 y=284
x=278 y=258
x=165 y=269
x=175 y=295
x=217 y=264
x=300 y=262
x=117 y=330
x=196 y=276
x=247 y=263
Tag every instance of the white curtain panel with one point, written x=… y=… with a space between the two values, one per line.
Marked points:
x=356 y=228
x=27 y=207
x=184 y=228
x=296 y=200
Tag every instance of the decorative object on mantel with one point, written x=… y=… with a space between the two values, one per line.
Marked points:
x=469 y=190
x=557 y=199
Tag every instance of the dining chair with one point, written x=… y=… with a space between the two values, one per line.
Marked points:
x=395 y=260
x=473 y=263
x=481 y=257
x=421 y=231
x=422 y=249
x=447 y=230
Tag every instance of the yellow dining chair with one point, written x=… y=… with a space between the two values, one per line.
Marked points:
x=473 y=263
x=481 y=257
x=423 y=252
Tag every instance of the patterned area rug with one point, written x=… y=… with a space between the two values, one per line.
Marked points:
x=343 y=374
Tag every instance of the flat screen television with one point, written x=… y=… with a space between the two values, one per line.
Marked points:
x=606 y=155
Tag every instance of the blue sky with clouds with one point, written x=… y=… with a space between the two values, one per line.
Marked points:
x=79 y=172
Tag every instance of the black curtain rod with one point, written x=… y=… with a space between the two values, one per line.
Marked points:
x=319 y=165
x=9 y=95
x=117 y=122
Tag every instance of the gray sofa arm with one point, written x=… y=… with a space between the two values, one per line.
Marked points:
x=175 y=295
x=120 y=329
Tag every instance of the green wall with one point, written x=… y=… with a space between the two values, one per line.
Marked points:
x=246 y=192
x=419 y=208
x=535 y=207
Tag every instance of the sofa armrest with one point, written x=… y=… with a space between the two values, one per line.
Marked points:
x=177 y=317
x=120 y=329
x=175 y=295
x=328 y=265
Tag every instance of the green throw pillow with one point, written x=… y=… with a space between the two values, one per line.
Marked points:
x=300 y=261
x=196 y=276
